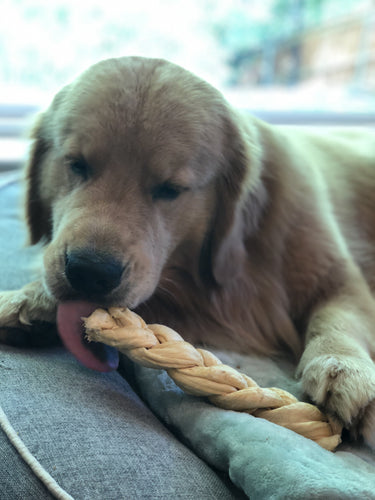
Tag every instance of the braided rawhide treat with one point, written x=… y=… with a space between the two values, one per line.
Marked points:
x=201 y=373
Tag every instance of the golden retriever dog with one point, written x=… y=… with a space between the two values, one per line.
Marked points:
x=149 y=191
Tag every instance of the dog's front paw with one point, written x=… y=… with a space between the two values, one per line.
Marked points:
x=27 y=317
x=13 y=309
x=345 y=387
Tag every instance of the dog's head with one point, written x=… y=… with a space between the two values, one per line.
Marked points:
x=136 y=166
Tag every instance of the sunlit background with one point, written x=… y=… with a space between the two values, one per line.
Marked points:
x=267 y=56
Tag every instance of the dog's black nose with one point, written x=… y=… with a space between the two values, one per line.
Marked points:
x=91 y=273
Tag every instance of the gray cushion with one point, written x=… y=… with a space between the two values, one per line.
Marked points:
x=90 y=431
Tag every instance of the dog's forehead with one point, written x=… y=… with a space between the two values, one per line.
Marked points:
x=133 y=95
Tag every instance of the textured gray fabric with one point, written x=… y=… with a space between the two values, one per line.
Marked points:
x=17 y=482
x=90 y=431
x=94 y=435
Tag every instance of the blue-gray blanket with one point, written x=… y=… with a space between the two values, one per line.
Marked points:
x=265 y=460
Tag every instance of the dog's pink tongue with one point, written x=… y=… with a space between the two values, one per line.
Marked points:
x=93 y=355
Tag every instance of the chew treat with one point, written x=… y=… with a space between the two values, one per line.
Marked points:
x=201 y=373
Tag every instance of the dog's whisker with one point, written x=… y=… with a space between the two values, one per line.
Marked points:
x=166 y=292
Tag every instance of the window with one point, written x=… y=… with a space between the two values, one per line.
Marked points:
x=307 y=61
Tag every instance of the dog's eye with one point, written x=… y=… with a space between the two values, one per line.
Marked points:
x=78 y=166
x=167 y=191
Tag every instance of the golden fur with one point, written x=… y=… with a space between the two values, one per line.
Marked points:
x=234 y=232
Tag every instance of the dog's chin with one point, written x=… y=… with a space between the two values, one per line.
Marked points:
x=72 y=306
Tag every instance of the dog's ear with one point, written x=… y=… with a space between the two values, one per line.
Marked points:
x=37 y=212
x=240 y=197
